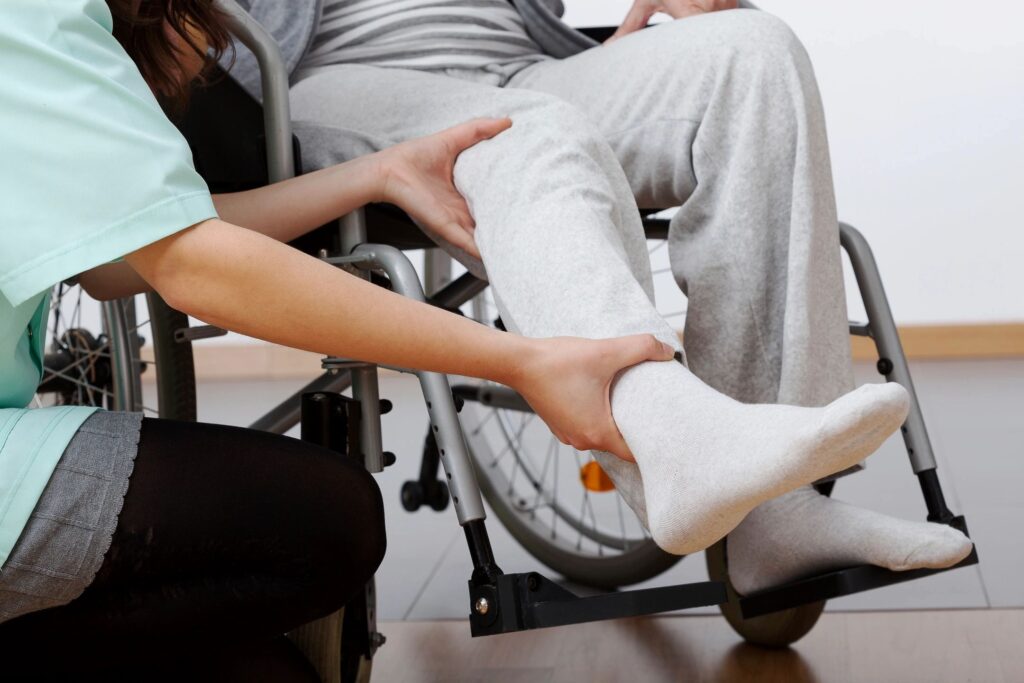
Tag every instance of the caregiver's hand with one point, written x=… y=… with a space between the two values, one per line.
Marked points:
x=642 y=11
x=417 y=176
x=568 y=382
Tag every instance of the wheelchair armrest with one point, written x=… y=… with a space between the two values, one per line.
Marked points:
x=598 y=33
x=274 y=79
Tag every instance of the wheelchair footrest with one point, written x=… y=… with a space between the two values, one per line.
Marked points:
x=839 y=583
x=520 y=602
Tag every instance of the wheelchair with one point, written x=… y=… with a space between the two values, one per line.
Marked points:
x=482 y=441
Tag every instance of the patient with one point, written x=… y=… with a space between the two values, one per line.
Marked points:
x=717 y=111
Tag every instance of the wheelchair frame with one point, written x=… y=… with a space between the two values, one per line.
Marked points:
x=499 y=602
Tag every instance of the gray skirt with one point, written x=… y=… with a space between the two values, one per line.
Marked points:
x=62 y=546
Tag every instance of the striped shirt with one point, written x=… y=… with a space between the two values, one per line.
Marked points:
x=421 y=34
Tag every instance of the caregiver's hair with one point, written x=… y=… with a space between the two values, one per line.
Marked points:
x=142 y=27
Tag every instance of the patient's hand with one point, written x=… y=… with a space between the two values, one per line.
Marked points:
x=642 y=11
x=417 y=176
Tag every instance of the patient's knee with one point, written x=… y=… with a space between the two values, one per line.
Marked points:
x=754 y=32
x=546 y=131
x=742 y=42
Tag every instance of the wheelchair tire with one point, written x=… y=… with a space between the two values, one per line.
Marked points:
x=176 y=386
x=335 y=653
x=775 y=630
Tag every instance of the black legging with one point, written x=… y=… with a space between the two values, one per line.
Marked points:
x=228 y=538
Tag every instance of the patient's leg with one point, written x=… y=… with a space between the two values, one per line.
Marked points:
x=721 y=113
x=560 y=235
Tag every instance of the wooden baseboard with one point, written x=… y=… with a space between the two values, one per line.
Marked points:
x=920 y=342
x=249 y=361
x=951 y=342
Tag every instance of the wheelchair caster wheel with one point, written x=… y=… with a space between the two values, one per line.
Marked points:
x=776 y=630
x=412 y=496
x=415 y=496
x=439 y=497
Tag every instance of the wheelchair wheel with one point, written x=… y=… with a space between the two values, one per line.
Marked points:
x=778 y=629
x=99 y=353
x=336 y=645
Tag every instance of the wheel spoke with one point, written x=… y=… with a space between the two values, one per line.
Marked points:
x=78 y=382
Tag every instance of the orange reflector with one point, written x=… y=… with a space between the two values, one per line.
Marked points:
x=595 y=479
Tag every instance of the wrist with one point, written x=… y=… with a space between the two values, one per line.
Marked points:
x=373 y=172
x=521 y=358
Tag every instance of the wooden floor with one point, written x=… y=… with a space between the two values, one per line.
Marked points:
x=986 y=646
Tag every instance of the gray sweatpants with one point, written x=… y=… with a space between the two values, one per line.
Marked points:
x=718 y=113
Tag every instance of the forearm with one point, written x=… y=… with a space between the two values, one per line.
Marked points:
x=291 y=208
x=243 y=281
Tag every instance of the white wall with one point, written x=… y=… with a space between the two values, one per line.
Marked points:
x=925 y=106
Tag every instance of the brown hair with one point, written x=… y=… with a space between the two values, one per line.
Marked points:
x=144 y=28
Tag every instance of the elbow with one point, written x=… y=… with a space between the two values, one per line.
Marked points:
x=96 y=289
x=172 y=267
x=179 y=287
x=111 y=281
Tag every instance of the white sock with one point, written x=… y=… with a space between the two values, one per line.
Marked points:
x=804 y=533
x=706 y=460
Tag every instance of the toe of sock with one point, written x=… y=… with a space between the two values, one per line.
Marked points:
x=895 y=398
x=947 y=547
x=889 y=400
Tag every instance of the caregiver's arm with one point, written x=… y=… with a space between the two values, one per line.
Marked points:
x=415 y=175
x=244 y=281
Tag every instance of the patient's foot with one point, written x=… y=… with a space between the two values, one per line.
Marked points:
x=707 y=460
x=804 y=533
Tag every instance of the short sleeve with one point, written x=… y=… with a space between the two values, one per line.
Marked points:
x=91 y=169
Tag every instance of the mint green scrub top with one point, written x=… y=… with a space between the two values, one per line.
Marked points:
x=90 y=170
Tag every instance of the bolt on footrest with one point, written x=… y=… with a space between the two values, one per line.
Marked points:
x=520 y=602
x=839 y=583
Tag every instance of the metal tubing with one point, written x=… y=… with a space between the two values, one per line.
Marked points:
x=126 y=390
x=458 y=291
x=437 y=271
x=444 y=420
x=485 y=569
x=892 y=362
x=277 y=118
x=366 y=391
x=352 y=229
x=938 y=511
x=493 y=397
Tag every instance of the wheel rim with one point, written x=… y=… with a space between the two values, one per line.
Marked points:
x=95 y=354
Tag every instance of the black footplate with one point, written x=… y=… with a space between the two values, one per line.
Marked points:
x=520 y=602
x=839 y=583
